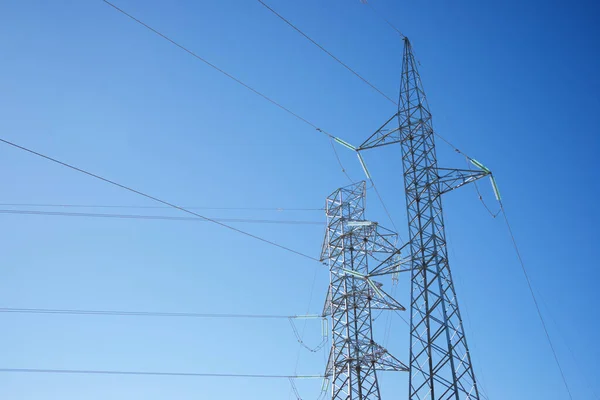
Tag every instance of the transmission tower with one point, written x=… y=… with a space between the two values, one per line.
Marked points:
x=357 y=250
x=440 y=363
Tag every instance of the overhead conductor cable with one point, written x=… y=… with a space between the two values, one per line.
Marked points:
x=156 y=199
x=153 y=373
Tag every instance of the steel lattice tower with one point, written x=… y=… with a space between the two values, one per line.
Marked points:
x=357 y=250
x=440 y=362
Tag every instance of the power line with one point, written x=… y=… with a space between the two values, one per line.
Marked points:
x=157 y=217
x=362 y=79
x=326 y=51
x=383 y=18
x=481 y=381
x=337 y=157
x=157 y=199
x=238 y=80
x=151 y=314
x=385 y=208
x=256 y=91
x=566 y=343
x=251 y=88
x=295 y=389
x=300 y=337
x=456 y=149
x=537 y=307
x=270 y=100
x=278 y=209
x=153 y=373
x=348 y=67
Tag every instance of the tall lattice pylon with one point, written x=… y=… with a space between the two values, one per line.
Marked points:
x=357 y=250
x=440 y=362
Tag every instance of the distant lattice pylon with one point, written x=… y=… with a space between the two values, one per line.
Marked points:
x=356 y=249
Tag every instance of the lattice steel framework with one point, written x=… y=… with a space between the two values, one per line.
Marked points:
x=357 y=250
x=440 y=362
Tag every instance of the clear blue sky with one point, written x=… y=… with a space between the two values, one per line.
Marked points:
x=513 y=84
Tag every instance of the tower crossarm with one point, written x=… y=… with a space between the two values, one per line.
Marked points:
x=388 y=133
x=379 y=357
x=395 y=263
x=450 y=178
x=384 y=361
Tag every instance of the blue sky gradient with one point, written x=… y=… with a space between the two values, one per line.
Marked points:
x=513 y=84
